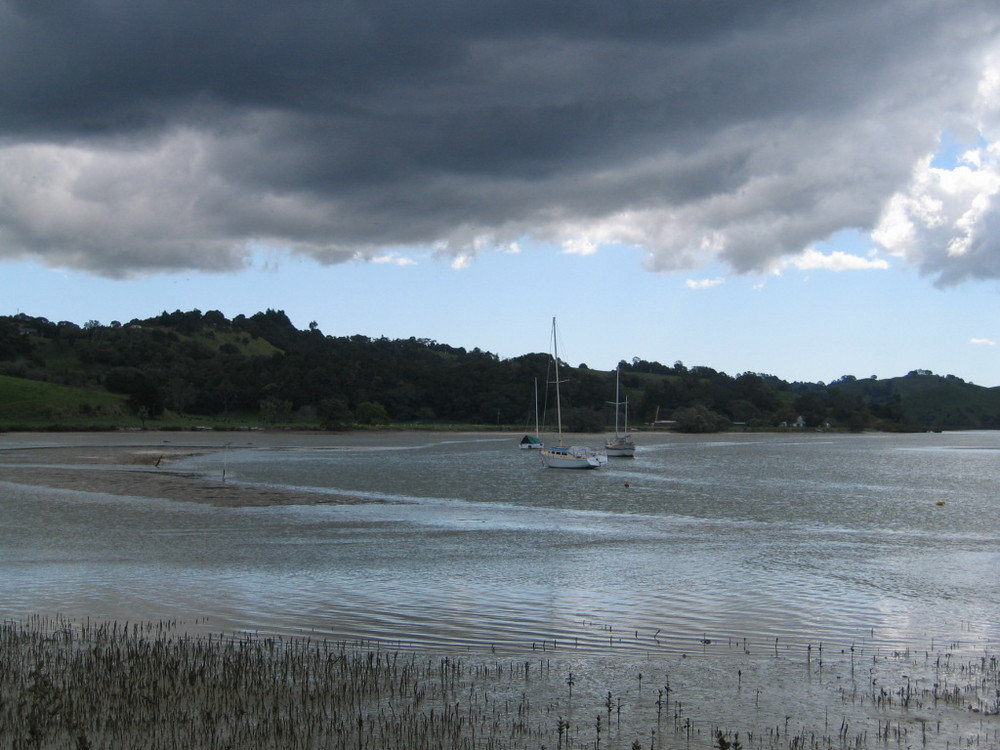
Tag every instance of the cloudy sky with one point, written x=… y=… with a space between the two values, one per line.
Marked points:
x=804 y=189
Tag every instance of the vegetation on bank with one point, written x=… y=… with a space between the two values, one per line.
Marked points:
x=93 y=684
x=187 y=370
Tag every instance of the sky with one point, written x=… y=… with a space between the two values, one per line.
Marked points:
x=807 y=190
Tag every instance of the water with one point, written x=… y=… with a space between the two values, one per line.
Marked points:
x=742 y=553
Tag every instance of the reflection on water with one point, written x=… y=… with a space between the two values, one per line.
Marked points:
x=736 y=547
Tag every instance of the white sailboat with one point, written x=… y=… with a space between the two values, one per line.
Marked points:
x=561 y=456
x=533 y=442
x=621 y=445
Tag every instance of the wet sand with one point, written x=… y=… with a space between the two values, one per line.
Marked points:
x=140 y=471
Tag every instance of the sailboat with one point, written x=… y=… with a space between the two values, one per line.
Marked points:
x=561 y=456
x=533 y=442
x=621 y=445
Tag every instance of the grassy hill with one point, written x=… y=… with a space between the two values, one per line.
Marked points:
x=193 y=369
x=927 y=400
x=37 y=405
x=34 y=403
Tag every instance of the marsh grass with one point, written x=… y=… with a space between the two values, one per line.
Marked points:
x=91 y=685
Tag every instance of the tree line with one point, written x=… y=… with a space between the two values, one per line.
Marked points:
x=198 y=363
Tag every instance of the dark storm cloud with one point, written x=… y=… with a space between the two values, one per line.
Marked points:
x=137 y=137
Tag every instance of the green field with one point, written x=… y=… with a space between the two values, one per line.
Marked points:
x=37 y=405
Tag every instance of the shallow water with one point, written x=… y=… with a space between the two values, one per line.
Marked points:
x=771 y=556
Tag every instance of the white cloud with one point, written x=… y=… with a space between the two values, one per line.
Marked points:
x=395 y=259
x=946 y=220
x=983 y=342
x=703 y=283
x=811 y=259
x=579 y=246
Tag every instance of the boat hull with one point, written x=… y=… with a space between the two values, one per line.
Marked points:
x=620 y=448
x=621 y=445
x=620 y=452
x=567 y=456
x=572 y=457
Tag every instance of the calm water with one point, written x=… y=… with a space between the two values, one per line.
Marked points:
x=700 y=559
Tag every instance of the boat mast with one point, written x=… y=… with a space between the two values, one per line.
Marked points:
x=618 y=401
x=555 y=351
x=536 y=408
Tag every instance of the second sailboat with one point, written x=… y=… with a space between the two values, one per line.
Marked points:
x=561 y=456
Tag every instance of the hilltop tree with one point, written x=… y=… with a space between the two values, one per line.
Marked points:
x=334 y=414
x=371 y=412
x=698 y=418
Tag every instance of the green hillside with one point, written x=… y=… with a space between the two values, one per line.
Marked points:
x=36 y=403
x=191 y=369
x=933 y=401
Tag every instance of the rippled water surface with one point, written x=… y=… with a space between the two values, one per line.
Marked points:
x=745 y=547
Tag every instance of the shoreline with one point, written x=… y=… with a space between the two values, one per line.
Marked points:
x=142 y=471
x=139 y=464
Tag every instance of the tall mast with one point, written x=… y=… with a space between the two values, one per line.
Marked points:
x=617 y=398
x=536 y=407
x=555 y=351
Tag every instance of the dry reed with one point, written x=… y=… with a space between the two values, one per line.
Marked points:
x=89 y=685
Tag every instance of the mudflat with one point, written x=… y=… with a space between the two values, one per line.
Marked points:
x=140 y=471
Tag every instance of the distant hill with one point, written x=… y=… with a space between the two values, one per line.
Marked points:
x=194 y=368
x=928 y=400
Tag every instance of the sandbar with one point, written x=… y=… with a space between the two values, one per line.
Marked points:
x=142 y=471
